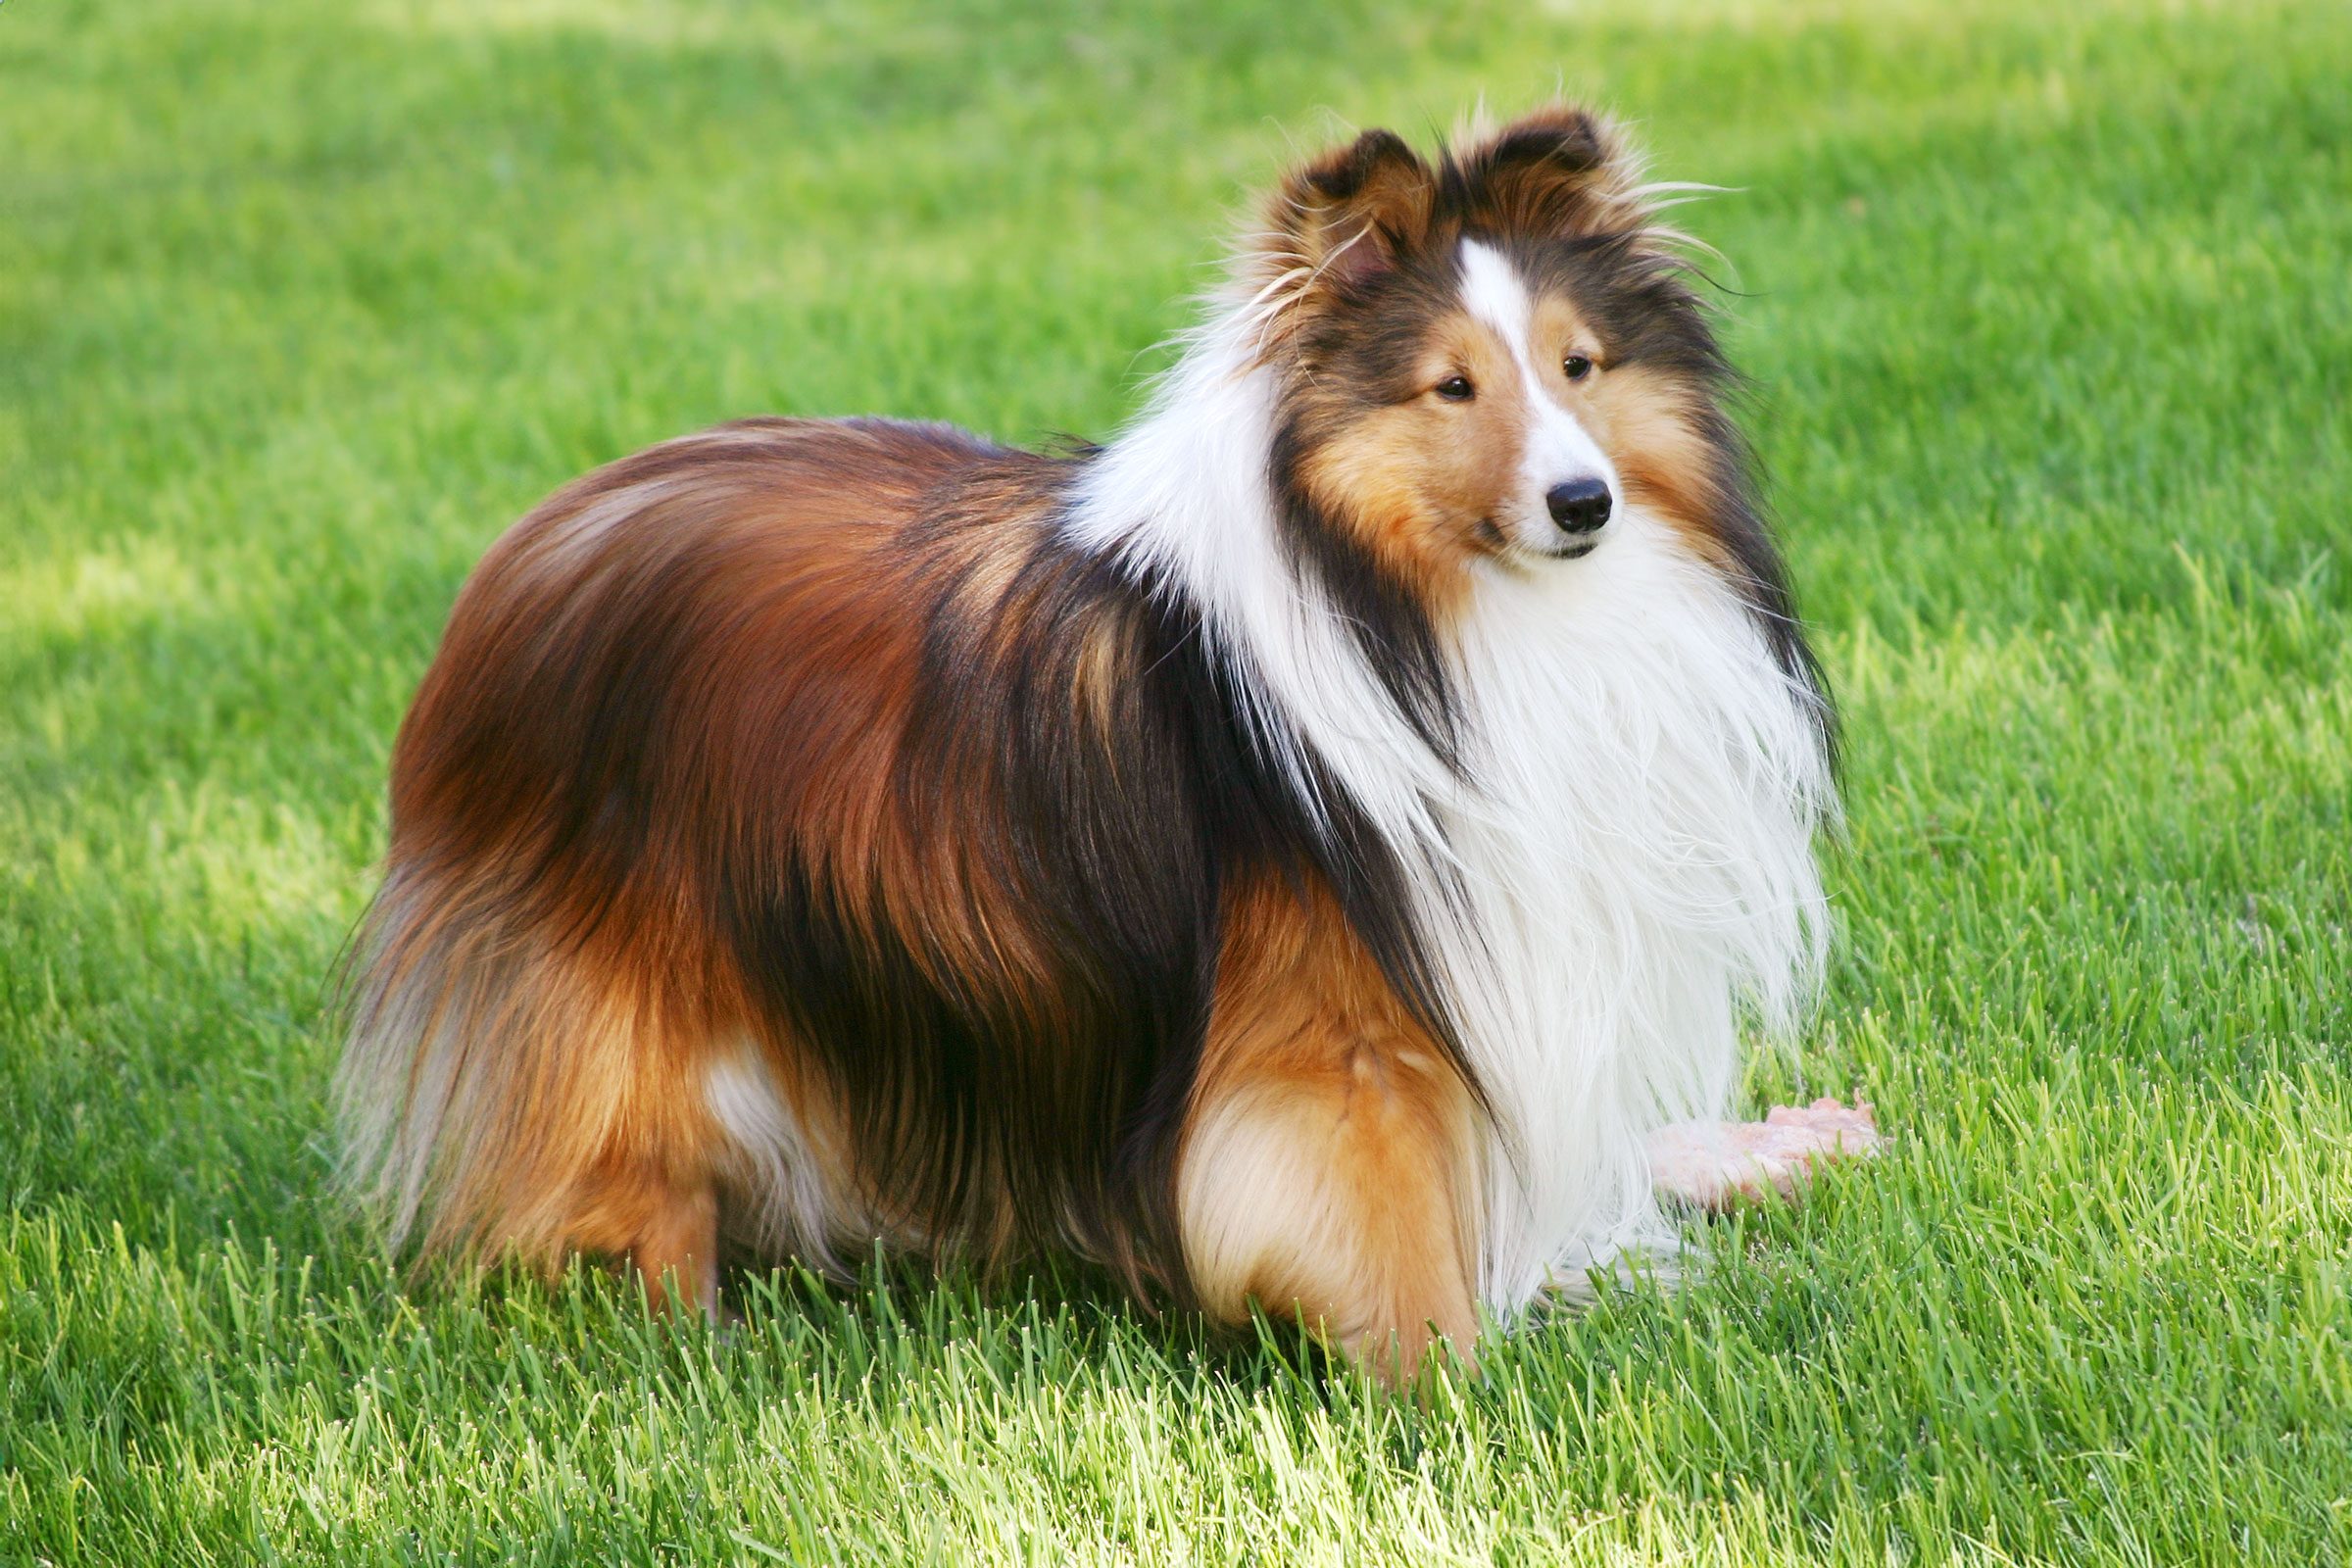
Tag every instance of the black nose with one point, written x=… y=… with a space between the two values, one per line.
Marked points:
x=1580 y=506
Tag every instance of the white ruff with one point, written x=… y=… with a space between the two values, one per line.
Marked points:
x=1633 y=840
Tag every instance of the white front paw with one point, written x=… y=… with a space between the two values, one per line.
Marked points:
x=1715 y=1165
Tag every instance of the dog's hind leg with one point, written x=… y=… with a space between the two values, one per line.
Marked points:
x=662 y=1223
x=510 y=1096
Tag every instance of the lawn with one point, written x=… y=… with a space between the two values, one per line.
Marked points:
x=2050 y=309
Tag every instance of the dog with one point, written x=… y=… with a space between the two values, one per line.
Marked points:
x=1318 y=850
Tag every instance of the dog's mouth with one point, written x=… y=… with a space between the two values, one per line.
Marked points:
x=1500 y=546
x=1562 y=550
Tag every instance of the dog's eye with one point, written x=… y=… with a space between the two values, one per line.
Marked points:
x=1457 y=389
x=1577 y=366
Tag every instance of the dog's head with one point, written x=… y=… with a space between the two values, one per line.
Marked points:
x=1491 y=354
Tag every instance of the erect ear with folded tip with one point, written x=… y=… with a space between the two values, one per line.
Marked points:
x=1558 y=171
x=1343 y=220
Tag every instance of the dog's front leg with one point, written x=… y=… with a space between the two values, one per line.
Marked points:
x=1328 y=1167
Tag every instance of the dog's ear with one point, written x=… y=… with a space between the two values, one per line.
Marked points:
x=1342 y=220
x=1559 y=170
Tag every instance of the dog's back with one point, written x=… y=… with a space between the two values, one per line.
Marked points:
x=743 y=838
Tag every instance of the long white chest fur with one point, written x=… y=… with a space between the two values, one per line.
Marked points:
x=1634 y=838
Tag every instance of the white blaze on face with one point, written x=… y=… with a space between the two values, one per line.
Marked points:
x=1558 y=450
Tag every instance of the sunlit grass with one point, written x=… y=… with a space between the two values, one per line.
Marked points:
x=2046 y=305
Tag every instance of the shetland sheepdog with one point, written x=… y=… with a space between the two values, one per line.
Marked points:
x=1319 y=849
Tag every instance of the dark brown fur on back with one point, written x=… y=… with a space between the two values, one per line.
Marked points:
x=812 y=735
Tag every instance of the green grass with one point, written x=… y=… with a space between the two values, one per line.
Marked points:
x=301 y=303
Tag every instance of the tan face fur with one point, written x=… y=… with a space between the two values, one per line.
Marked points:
x=1461 y=457
x=1523 y=275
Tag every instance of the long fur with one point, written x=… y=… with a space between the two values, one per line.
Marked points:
x=1227 y=854
x=1621 y=858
